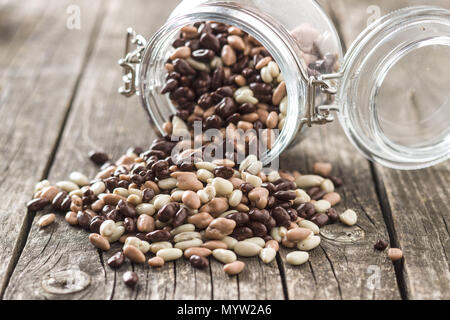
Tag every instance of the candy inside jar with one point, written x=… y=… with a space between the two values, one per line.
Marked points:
x=220 y=77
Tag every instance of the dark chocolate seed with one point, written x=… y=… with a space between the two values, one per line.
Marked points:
x=321 y=219
x=336 y=181
x=293 y=214
x=126 y=209
x=246 y=187
x=319 y=195
x=223 y=172
x=193 y=44
x=111 y=183
x=158 y=235
x=98 y=157
x=240 y=64
x=258 y=228
x=218 y=27
x=178 y=43
x=234 y=118
x=180 y=217
x=203 y=55
x=130 y=225
x=226 y=107
x=37 y=204
x=116 y=260
x=247 y=108
x=271 y=223
x=281 y=216
x=96 y=222
x=306 y=210
x=168 y=211
x=241 y=218
x=138 y=179
x=107 y=209
x=183 y=67
x=217 y=78
x=285 y=195
x=259 y=215
x=242 y=233
x=114 y=215
x=380 y=245
x=213 y=122
x=123 y=184
x=260 y=88
x=58 y=199
x=185 y=93
x=283 y=185
x=248 y=72
x=141 y=236
x=65 y=204
x=222 y=37
x=198 y=262
x=209 y=41
x=173 y=75
x=271 y=202
x=204 y=28
x=147 y=194
x=270 y=187
x=205 y=101
x=136 y=150
x=333 y=215
x=170 y=86
x=130 y=278
x=84 y=220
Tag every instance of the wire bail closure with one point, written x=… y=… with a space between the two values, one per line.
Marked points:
x=320 y=114
x=130 y=62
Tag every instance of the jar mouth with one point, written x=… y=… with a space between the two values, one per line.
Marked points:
x=395 y=109
x=264 y=29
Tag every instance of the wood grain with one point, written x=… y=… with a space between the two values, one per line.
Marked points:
x=415 y=203
x=344 y=264
x=37 y=54
x=94 y=124
x=408 y=208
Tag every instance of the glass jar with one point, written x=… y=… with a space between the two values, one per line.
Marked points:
x=390 y=91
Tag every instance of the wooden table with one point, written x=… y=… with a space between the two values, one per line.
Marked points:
x=58 y=100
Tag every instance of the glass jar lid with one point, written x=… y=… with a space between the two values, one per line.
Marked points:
x=394 y=95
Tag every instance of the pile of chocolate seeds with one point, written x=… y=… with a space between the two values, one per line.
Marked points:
x=162 y=206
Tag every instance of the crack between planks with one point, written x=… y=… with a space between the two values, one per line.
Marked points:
x=29 y=217
x=100 y=256
x=114 y=286
x=314 y=278
x=211 y=279
x=388 y=220
x=174 y=280
x=334 y=272
x=282 y=276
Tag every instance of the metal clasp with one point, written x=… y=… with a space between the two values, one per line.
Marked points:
x=131 y=61
x=320 y=114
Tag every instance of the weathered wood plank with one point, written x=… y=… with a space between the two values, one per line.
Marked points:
x=416 y=202
x=37 y=54
x=91 y=124
x=342 y=268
